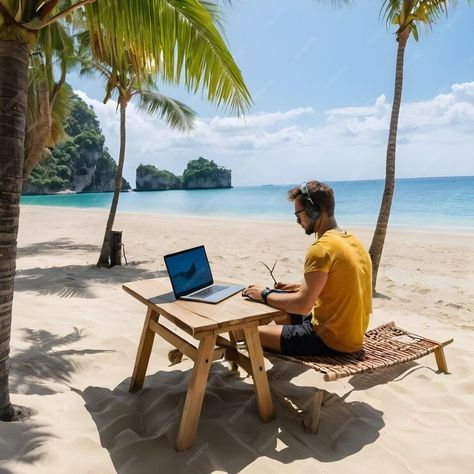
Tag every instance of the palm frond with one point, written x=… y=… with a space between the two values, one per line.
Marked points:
x=431 y=11
x=60 y=109
x=46 y=115
x=390 y=10
x=178 y=39
x=177 y=115
x=407 y=12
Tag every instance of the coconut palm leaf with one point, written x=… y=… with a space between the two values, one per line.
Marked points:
x=406 y=12
x=181 y=42
x=177 y=115
x=47 y=98
x=179 y=39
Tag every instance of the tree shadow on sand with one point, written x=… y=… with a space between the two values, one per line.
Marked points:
x=46 y=360
x=21 y=442
x=53 y=246
x=45 y=367
x=139 y=429
x=76 y=280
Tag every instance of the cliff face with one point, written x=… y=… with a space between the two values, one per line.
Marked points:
x=84 y=170
x=205 y=174
x=149 y=178
x=31 y=188
x=210 y=179
x=101 y=177
x=79 y=164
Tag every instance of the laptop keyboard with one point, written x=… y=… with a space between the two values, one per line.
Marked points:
x=209 y=291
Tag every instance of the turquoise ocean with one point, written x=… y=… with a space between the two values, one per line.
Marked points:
x=446 y=202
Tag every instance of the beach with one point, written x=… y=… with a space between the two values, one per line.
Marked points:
x=75 y=334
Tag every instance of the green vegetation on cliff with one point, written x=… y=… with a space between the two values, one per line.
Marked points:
x=150 y=178
x=81 y=163
x=202 y=171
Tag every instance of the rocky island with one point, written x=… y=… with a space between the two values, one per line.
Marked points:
x=199 y=174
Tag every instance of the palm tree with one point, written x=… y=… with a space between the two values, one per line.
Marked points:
x=130 y=81
x=176 y=38
x=406 y=14
x=48 y=100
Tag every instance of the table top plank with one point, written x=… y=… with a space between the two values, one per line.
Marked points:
x=157 y=296
x=199 y=318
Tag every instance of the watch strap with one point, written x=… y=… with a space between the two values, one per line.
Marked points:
x=265 y=292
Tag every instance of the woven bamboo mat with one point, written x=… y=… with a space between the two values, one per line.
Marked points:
x=384 y=346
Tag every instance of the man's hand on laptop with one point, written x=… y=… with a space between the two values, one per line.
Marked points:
x=253 y=292
x=258 y=293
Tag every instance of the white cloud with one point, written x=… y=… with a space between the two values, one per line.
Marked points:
x=435 y=137
x=257 y=121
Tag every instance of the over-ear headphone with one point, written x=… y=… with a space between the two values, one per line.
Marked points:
x=311 y=209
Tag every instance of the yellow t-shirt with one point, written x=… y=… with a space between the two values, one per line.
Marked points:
x=341 y=313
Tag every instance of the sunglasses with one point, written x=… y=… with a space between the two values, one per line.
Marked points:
x=299 y=212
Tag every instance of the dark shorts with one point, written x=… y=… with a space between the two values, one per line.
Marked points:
x=300 y=339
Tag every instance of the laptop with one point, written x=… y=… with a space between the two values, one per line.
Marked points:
x=191 y=277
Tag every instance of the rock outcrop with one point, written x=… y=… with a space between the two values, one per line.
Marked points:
x=209 y=180
x=199 y=174
x=150 y=178
x=205 y=174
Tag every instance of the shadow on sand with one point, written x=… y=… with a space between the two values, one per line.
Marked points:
x=45 y=360
x=21 y=442
x=139 y=429
x=76 y=280
x=45 y=364
x=55 y=245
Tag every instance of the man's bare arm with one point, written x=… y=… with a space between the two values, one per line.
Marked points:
x=287 y=286
x=298 y=302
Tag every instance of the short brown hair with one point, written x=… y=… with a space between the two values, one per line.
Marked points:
x=320 y=193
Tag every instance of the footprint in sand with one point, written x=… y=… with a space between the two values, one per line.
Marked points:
x=454 y=305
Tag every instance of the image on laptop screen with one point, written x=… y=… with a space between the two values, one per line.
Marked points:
x=189 y=270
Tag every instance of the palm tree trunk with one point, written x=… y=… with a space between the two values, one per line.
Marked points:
x=104 y=253
x=14 y=61
x=378 y=239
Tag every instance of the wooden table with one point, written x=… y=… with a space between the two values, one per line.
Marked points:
x=205 y=322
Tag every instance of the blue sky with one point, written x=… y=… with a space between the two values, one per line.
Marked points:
x=322 y=83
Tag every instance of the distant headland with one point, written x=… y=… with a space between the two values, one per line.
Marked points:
x=82 y=164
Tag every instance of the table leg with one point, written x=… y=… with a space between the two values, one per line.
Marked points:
x=237 y=335
x=260 y=380
x=197 y=386
x=143 y=352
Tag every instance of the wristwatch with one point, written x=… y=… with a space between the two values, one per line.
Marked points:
x=265 y=292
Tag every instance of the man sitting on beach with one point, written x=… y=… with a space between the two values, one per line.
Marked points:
x=336 y=292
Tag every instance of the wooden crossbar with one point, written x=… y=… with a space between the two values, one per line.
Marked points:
x=181 y=344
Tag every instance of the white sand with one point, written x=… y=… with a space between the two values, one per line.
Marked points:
x=75 y=334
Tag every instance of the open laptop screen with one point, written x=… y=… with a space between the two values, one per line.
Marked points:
x=188 y=270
